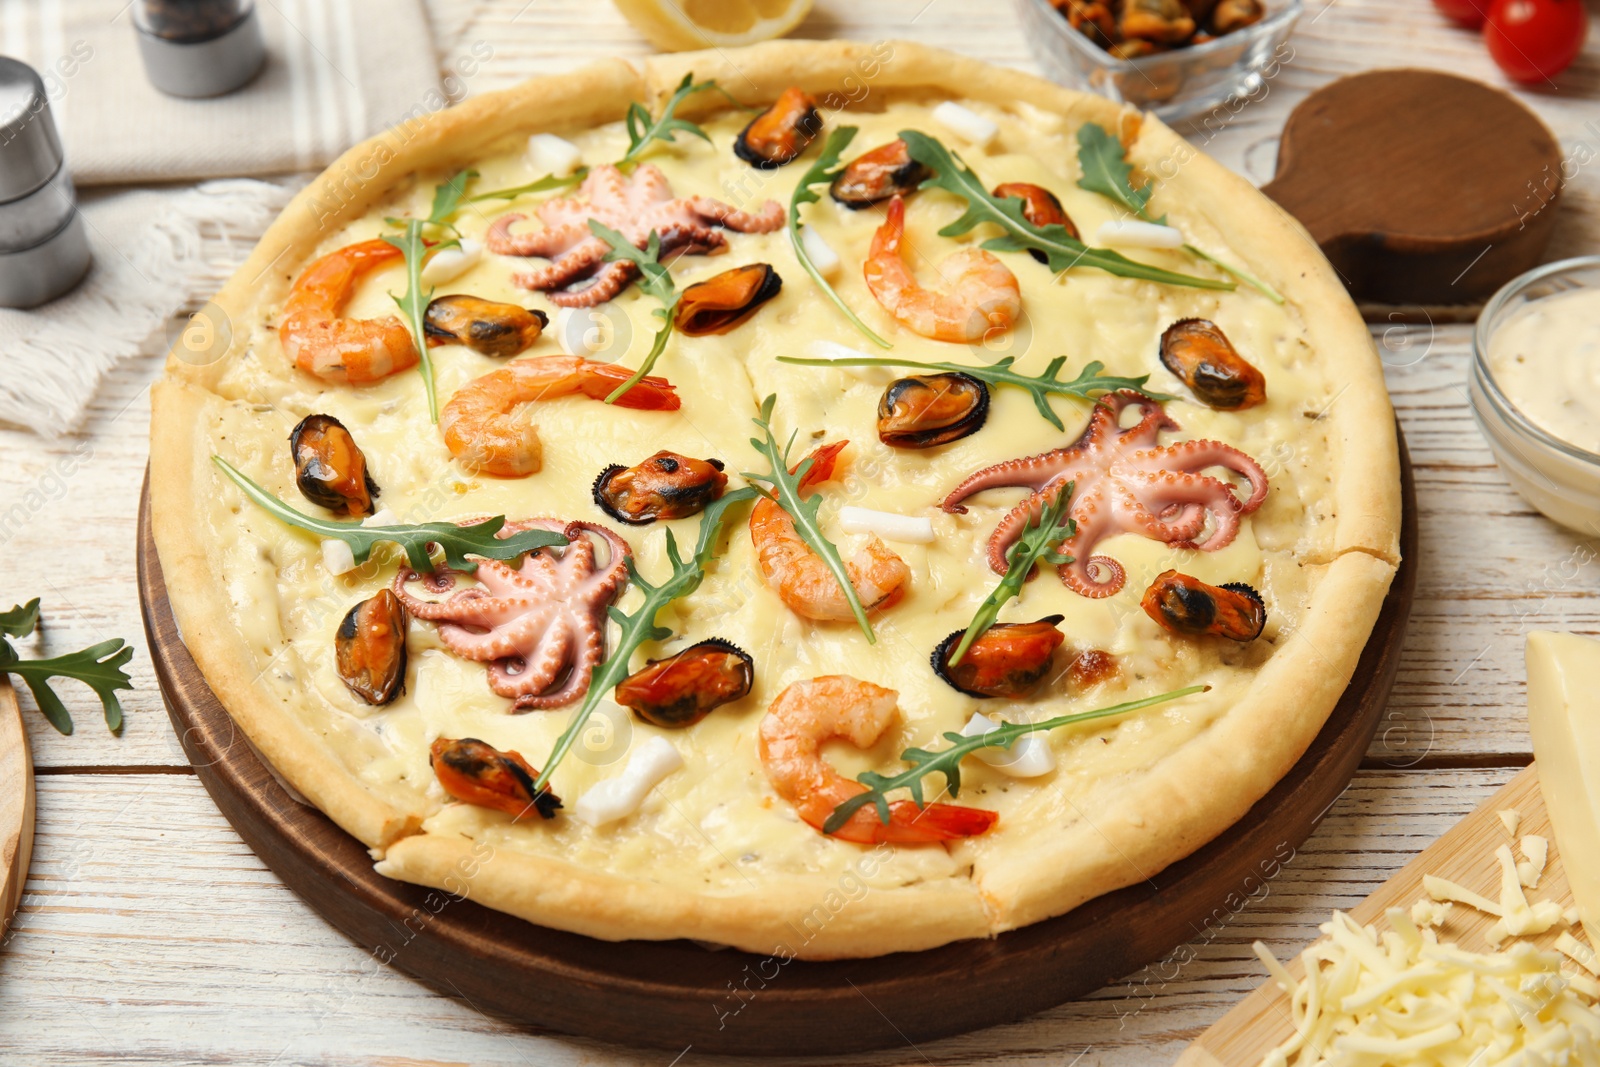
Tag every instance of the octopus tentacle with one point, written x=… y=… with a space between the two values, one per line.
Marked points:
x=1195 y=456
x=609 y=280
x=768 y=219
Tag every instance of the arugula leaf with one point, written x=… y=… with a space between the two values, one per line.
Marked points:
x=785 y=492
x=414 y=304
x=98 y=666
x=457 y=542
x=1088 y=382
x=542 y=185
x=655 y=280
x=641 y=625
x=823 y=171
x=447 y=198
x=948 y=761
x=1061 y=250
x=1052 y=528
x=1106 y=171
x=642 y=129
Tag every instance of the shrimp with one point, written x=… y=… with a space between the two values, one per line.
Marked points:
x=982 y=296
x=806 y=715
x=482 y=424
x=800 y=577
x=335 y=349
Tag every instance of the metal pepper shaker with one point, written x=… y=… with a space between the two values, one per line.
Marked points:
x=198 y=48
x=43 y=248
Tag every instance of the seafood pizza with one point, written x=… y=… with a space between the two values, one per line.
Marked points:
x=825 y=499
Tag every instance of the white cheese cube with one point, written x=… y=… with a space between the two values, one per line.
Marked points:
x=1028 y=757
x=1135 y=233
x=617 y=798
x=337 y=558
x=822 y=257
x=448 y=263
x=912 y=529
x=549 y=154
x=966 y=123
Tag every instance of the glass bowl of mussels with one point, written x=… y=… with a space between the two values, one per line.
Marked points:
x=1182 y=59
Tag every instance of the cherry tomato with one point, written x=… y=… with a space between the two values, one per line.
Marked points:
x=1534 y=40
x=1468 y=13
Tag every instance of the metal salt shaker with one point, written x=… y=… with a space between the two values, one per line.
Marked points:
x=43 y=248
x=198 y=48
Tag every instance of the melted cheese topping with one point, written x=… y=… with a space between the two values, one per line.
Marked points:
x=717 y=822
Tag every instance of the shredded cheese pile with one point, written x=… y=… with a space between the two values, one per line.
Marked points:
x=1405 y=997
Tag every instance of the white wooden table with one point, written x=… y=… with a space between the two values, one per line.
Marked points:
x=150 y=933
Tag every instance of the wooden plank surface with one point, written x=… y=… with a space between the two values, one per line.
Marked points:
x=149 y=934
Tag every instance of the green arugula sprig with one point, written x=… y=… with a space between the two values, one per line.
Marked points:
x=1052 y=528
x=1061 y=250
x=1106 y=171
x=644 y=130
x=640 y=626
x=548 y=183
x=823 y=171
x=98 y=666
x=457 y=542
x=783 y=487
x=1089 y=382
x=654 y=280
x=948 y=761
x=413 y=246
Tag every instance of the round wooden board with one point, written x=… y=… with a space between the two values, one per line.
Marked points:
x=676 y=994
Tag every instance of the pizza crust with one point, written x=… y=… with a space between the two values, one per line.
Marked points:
x=1165 y=814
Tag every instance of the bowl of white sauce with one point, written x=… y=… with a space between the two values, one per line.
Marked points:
x=1535 y=388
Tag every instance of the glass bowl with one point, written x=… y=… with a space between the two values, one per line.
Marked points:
x=1557 y=477
x=1176 y=85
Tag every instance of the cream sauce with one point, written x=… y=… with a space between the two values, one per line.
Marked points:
x=1546 y=360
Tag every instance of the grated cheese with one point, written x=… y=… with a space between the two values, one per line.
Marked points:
x=1511 y=818
x=1536 y=852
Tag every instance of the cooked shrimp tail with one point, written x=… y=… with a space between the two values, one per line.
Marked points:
x=337 y=349
x=982 y=295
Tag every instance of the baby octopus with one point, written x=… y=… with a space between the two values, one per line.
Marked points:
x=538 y=626
x=633 y=206
x=1123 y=481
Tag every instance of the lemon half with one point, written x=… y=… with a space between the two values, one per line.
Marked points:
x=681 y=25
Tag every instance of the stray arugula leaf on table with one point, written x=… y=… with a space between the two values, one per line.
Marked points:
x=948 y=761
x=823 y=171
x=783 y=488
x=1061 y=250
x=457 y=542
x=1052 y=527
x=640 y=626
x=1089 y=381
x=1106 y=171
x=100 y=667
x=654 y=279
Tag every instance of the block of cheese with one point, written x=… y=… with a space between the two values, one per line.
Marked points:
x=1564 y=716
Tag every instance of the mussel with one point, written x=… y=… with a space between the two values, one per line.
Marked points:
x=1092 y=18
x=878 y=175
x=927 y=410
x=1040 y=207
x=1186 y=605
x=1197 y=351
x=683 y=689
x=1008 y=660
x=725 y=301
x=369 y=648
x=330 y=468
x=1231 y=15
x=1200 y=10
x=1160 y=21
x=779 y=134
x=482 y=325
x=475 y=772
x=665 y=486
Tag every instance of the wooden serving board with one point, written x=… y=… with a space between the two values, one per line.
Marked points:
x=677 y=994
x=16 y=805
x=1465 y=855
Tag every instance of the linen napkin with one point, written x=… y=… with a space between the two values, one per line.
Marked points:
x=337 y=71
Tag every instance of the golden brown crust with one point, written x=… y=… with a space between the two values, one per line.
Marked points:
x=1195 y=794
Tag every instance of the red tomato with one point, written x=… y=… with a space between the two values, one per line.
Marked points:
x=1469 y=13
x=1534 y=40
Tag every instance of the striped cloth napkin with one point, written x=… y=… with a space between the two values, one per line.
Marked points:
x=337 y=71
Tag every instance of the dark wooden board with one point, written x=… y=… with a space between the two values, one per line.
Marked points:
x=1419 y=186
x=675 y=994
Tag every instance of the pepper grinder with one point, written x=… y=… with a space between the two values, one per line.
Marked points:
x=43 y=248
x=198 y=48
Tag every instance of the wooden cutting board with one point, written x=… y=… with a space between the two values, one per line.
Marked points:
x=16 y=805
x=1464 y=855
x=1419 y=186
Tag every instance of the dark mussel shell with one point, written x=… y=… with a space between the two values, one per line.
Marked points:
x=482 y=325
x=665 y=486
x=1186 y=605
x=779 y=134
x=683 y=689
x=1160 y=21
x=369 y=648
x=725 y=301
x=330 y=468
x=1197 y=351
x=1231 y=15
x=1008 y=660
x=1200 y=10
x=886 y=171
x=927 y=410
x=475 y=772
